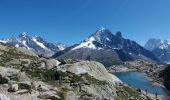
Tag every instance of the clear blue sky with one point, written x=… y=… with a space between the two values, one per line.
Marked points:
x=70 y=21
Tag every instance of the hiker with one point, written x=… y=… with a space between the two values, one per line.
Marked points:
x=146 y=92
x=57 y=78
x=39 y=89
x=156 y=95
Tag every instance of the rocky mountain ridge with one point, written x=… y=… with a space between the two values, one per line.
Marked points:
x=160 y=48
x=104 y=45
x=34 y=43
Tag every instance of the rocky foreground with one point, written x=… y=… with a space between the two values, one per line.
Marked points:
x=25 y=76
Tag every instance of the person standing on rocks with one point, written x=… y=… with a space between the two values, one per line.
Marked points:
x=156 y=95
x=146 y=92
x=39 y=89
x=57 y=78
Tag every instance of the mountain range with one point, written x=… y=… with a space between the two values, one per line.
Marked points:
x=102 y=46
x=35 y=44
x=107 y=48
x=160 y=48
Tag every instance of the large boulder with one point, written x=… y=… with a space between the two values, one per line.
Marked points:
x=8 y=71
x=23 y=77
x=95 y=69
x=3 y=80
x=51 y=63
x=100 y=82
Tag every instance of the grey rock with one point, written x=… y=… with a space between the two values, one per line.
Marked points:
x=4 y=80
x=49 y=95
x=13 y=88
x=51 y=63
x=70 y=96
x=24 y=85
x=23 y=77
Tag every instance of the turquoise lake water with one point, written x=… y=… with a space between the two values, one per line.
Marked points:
x=138 y=80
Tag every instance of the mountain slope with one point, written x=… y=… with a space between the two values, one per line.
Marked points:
x=160 y=48
x=107 y=48
x=34 y=43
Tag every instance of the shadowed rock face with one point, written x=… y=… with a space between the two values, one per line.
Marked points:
x=165 y=74
x=106 y=57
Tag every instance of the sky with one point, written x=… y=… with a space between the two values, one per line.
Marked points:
x=71 y=21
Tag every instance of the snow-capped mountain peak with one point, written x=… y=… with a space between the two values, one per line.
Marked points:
x=39 y=43
x=23 y=34
x=102 y=35
x=34 y=43
x=95 y=41
x=164 y=44
x=161 y=49
x=102 y=29
x=107 y=48
x=157 y=43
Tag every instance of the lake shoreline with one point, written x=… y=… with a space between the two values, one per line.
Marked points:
x=150 y=81
x=147 y=77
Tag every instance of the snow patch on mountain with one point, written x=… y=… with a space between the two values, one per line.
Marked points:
x=17 y=45
x=164 y=44
x=87 y=44
x=34 y=43
x=108 y=39
x=39 y=43
x=61 y=47
x=3 y=41
x=24 y=34
x=25 y=44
